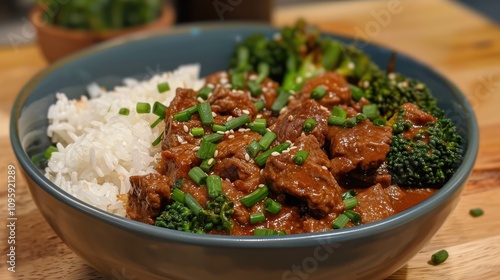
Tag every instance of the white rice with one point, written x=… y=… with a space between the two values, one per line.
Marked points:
x=98 y=149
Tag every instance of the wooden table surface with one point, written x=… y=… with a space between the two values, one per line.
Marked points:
x=459 y=43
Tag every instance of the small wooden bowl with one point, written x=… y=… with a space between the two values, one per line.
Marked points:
x=56 y=42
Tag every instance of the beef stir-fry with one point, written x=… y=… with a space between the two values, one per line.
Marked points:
x=306 y=152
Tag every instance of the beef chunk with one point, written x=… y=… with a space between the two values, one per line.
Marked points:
x=289 y=124
x=176 y=132
x=178 y=160
x=231 y=102
x=338 y=90
x=364 y=145
x=311 y=182
x=147 y=197
x=374 y=204
x=418 y=119
x=231 y=162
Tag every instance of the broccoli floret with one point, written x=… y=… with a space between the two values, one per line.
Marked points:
x=393 y=90
x=178 y=216
x=426 y=164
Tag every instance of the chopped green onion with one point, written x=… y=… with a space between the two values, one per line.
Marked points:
x=238 y=80
x=204 y=92
x=353 y=216
x=254 y=88
x=267 y=140
x=360 y=117
x=243 y=54
x=205 y=112
x=213 y=138
x=178 y=195
x=318 y=93
x=155 y=123
x=340 y=222
x=439 y=257
x=207 y=150
x=476 y=212
x=356 y=92
x=237 y=122
x=339 y=112
x=192 y=204
x=253 y=149
x=379 y=122
x=48 y=152
x=158 y=140
x=218 y=127
x=259 y=105
x=257 y=218
x=280 y=101
x=159 y=109
x=143 y=107
x=185 y=115
x=262 y=158
x=272 y=206
x=198 y=175
x=197 y=131
x=263 y=69
x=207 y=164
x=350 y=203
x=267 y=232
x=300 y=157
x=258 y=125
x=351 y=122
x=334 y=120
x=251 y=199
x=214 y=186
x=371 y=111
x=124 y=111
x=162 y=87
x=309 y=125
x=348 y=194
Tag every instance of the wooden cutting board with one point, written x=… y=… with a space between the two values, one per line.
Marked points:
x=462 y=45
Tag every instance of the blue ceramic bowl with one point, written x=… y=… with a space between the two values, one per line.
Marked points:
x=113 y=244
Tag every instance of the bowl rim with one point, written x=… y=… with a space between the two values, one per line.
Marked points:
x=455 y=184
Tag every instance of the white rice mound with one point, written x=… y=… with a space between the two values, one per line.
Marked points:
x=98 y=149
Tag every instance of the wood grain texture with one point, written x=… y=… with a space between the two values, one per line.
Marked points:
x=459 y=43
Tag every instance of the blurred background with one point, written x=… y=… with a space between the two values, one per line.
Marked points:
x=114 y=16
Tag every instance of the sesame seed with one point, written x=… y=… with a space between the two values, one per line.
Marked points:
x=283 y=110
x=252 y=77
x=224 y=81
x=293 y=147
x=227 y=132
x=228 y=85
x=210 y=161
x=274 y=154
x=231 y=136
x=259 y=116
x=351 y=66
x=289 y=141
x=210 y=85
x=247 y=157
x=229 y=118
x=199 y=99
x=216 y=153
x=298 y=80
x=324 y=167
x=420 y=86
x=196 y=148
x=241 y=130
x=287 y=150
x=392 y=76
x=261 y=185
x=221 y=132
x=246 y=112
x=184 y=142
x=186 y=129
x=214 y=114
x=269 y=84
x=366 y=84
x=290 y=118
x=179 y=139
x=290 y=98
